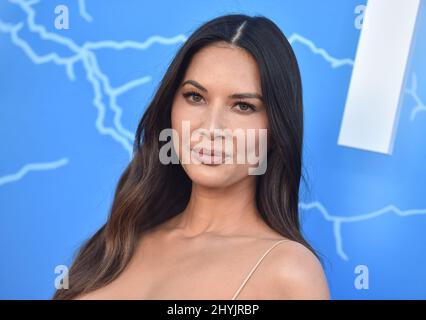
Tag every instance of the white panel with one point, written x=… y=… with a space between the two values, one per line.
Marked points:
x=371 y=112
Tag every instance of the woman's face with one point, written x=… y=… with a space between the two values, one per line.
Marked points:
x=207 y=103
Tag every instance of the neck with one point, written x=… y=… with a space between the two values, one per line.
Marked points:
x=221 y=211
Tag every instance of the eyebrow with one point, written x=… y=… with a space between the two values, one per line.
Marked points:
x=232 y=96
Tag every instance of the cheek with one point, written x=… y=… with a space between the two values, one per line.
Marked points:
x=183 y=121
x=181 y=112
x=254 y=131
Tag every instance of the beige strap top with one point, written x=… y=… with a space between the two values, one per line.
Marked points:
x=255 y=267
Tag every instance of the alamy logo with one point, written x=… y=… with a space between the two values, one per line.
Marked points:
x=61 y=281
x=221 y=151
x=361 y=281
x=62 y=18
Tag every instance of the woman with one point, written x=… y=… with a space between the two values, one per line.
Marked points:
x=209 y=229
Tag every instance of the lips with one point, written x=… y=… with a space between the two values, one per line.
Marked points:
x=209 y=156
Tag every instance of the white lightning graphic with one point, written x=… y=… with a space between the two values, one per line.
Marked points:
x=43 y=166
x=103 y=91
x=83 y=12
x=412 y=92
x=334 y=62
x=337 y=221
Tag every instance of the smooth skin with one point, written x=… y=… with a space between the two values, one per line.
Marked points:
x=206 y=251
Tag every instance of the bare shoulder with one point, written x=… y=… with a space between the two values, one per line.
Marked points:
x=292 y=271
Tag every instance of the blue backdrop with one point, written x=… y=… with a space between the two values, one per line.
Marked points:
x=70 y=100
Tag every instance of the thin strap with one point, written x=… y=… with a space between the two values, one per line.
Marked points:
x=255 y=267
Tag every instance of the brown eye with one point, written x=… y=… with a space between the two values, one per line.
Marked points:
x=193 y=96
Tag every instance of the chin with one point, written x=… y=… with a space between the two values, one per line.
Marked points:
x=211 y=176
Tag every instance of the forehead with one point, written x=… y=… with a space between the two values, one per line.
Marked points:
x=222 y=67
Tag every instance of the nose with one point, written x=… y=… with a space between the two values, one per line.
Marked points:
x=212 y=125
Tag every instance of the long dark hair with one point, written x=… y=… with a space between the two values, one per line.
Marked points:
x=149 y=193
